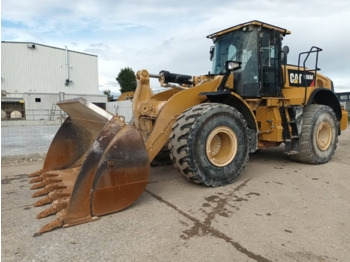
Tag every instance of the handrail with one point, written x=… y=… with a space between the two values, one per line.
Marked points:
x=313 y=49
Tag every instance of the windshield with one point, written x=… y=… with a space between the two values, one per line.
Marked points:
x=237 y=46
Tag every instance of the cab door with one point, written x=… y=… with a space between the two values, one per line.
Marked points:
x=270 y=63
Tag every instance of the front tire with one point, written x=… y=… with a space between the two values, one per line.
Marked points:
x=209 y=144
x=319 y=135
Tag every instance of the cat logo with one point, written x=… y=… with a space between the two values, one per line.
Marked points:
x=300 y=79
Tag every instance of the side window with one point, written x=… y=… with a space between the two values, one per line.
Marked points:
x=268 y=56
x=267 y=50
x=245 y=57
x=232 y=53
x=272 y=52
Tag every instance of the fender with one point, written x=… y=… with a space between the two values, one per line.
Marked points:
x=236 y=101
x=324 y=96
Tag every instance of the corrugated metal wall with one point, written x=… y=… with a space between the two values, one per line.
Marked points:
x=43 y=70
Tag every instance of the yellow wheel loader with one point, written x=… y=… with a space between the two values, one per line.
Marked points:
x=206 y=125
x=126 y=96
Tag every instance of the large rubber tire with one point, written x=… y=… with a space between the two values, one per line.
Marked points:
x=319 y=136
x=209 y=144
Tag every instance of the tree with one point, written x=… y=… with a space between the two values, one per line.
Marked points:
x=127 y=80
x=108 y=94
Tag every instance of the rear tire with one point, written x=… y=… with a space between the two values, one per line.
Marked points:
x=209 y=144
x=319 y=135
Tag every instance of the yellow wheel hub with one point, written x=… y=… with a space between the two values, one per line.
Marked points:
x=324 y=136
x=221 y=146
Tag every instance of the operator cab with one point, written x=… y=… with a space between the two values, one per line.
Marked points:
x=257 y=46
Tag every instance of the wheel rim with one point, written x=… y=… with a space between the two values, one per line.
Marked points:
x=221 y=146
x=324 y=136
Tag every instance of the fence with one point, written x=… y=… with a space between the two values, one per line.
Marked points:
x=29 y=122
x=32 y=116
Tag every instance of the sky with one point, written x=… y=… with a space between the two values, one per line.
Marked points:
x=171 y=35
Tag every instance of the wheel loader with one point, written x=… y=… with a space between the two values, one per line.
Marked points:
x=205 y=125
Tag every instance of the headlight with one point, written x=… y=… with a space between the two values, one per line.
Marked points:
x=232 y=65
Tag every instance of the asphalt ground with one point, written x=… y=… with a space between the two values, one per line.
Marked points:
x=26 y=141
x=277 y=210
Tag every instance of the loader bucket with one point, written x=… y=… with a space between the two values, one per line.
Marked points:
x=96 y=165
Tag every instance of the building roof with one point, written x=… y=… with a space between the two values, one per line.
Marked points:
x=33 y=43
x=254 y=23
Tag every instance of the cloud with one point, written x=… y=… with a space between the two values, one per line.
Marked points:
x=170 y=35
x=110 y=85
x=103 y=51
x=20 y=35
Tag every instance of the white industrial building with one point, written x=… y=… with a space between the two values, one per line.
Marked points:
x=35 y=76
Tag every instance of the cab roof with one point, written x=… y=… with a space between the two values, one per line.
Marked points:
x=254 y=23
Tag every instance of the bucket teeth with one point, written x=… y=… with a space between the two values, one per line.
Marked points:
x=43 y=177
x=43 y=201
x=51 y=197
x=46 y=212
x=36 y=179
x=57 y=206
x=45 y=182
x=38 y=185
x=50 y=226
x=49 y=188
x=55 y=186
x=35 y=174
x=40 y=192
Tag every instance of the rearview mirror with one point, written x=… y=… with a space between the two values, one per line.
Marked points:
x=211 y=52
